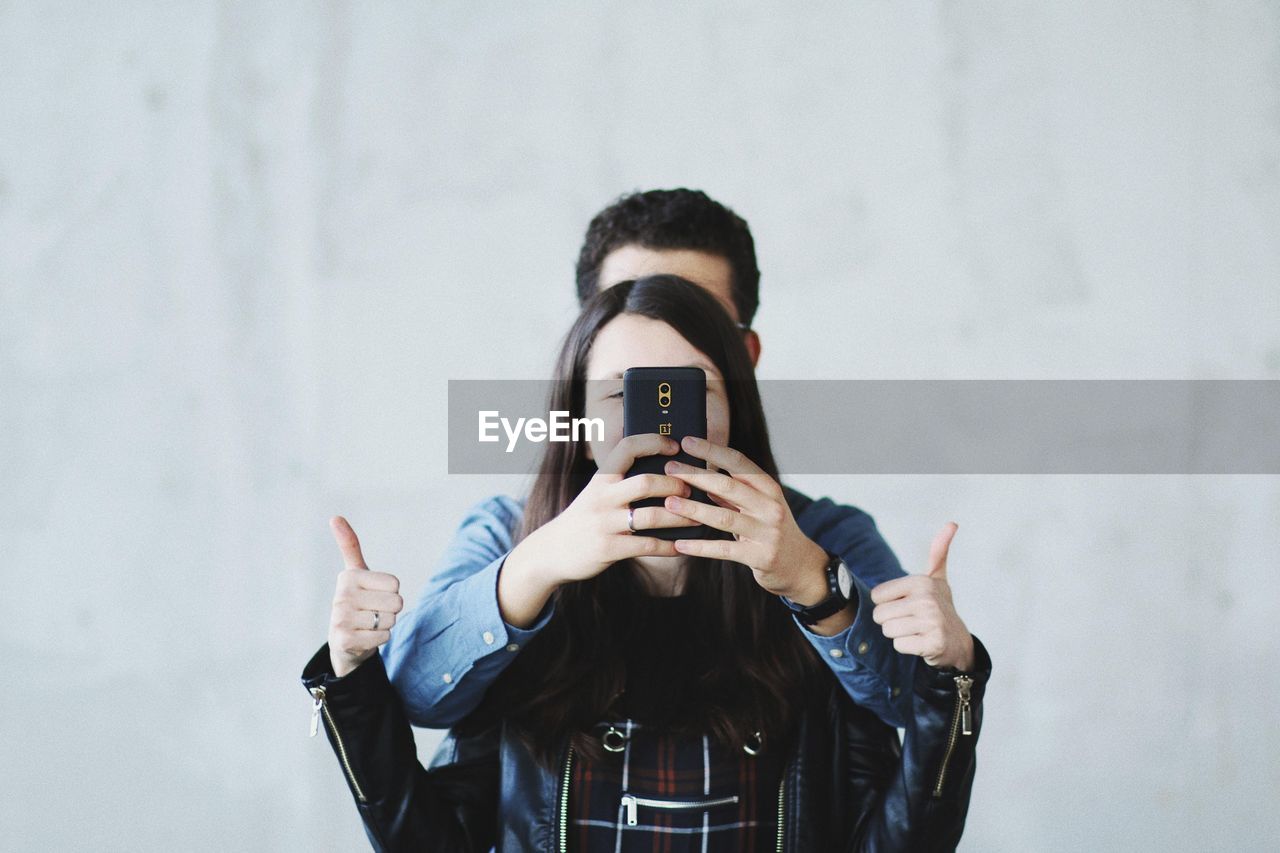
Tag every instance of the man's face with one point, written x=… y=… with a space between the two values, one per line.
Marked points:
x=711 y=272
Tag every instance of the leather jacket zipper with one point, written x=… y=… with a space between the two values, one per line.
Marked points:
x=961 y=723
x=564 y=801
x=630 y=801
x=782 y=786
x=321 y=708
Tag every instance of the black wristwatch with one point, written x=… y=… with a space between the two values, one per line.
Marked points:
x=839 y=589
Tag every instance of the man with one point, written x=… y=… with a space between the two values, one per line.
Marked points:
x=443 y=654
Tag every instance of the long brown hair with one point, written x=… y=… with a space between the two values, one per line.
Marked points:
x=567 y=677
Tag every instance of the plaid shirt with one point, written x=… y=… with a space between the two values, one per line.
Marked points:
x=670 y=790
x=662 y=770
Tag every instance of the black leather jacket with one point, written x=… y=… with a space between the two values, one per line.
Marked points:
x=850 y=784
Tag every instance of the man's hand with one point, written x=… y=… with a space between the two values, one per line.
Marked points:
x=917 y=614
x=751 y=506
x=365 y=605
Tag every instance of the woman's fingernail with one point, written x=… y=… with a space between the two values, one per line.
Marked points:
x=673 y=501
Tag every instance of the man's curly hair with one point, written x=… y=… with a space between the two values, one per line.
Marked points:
x=673 y=219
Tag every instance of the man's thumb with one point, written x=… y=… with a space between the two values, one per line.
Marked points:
x=938 y=551
x=347 y=543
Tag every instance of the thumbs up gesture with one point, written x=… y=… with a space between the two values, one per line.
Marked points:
x=365 y=605
x=917 y=614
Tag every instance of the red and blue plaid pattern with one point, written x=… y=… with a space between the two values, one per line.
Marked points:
x=660 y=766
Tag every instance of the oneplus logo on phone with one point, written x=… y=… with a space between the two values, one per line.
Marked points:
x=676 y=415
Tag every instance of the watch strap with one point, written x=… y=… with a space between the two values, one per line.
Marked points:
x=833 y=603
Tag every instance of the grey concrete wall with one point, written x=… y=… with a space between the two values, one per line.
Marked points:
x=244 y=245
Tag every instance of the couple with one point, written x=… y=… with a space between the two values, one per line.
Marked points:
x=610 y=691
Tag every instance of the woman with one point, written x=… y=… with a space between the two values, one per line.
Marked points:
x=670 y=694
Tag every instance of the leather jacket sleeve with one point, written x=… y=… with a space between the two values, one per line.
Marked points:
x=403 y=805
x=922 y=805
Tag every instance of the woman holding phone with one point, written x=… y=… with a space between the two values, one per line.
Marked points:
x=670 y=702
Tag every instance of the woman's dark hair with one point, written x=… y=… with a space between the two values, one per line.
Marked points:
x=566 y=678
x=673 y=219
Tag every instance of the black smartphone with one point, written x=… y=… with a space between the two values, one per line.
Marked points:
x=670 y=401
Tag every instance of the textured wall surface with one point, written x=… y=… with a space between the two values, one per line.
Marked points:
x=244 y=245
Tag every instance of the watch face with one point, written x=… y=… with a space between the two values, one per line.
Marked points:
x=844 y=579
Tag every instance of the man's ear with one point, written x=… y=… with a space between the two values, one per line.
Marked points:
x=752 y=340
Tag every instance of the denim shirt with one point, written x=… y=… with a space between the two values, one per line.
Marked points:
x=446 y=650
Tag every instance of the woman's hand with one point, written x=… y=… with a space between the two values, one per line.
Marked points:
x=365 y=605
x=754 y=509
x=592 y=534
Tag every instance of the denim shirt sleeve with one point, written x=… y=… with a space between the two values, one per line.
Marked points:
x=447 y=649
x=873 y=673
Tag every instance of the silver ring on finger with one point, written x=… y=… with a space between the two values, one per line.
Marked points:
x=376 y=617
x=631 y=519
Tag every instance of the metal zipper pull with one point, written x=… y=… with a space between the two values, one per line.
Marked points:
x=961 y=723
x=318 y=694
x=963 y=683
x=629 y=802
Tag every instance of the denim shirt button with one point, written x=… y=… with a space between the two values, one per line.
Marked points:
x=513 y=647
x=862 y=648
x=488 y=638
x=837 y=653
